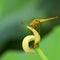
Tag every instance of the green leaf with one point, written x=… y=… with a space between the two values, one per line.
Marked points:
x=50 y=45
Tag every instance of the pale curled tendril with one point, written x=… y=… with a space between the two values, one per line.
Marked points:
x=29 y=38
x=36 y=38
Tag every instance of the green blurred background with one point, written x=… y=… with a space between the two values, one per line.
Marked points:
x=15 y=15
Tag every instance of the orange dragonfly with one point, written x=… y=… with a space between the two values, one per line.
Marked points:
x=37 y=21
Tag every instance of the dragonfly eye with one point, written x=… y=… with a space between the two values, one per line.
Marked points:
x=37 y=21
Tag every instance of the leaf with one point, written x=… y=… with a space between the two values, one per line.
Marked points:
x=50 y=45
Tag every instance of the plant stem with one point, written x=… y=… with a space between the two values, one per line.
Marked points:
x=41 y=54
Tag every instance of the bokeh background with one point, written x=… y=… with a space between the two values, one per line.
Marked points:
x=15 y=15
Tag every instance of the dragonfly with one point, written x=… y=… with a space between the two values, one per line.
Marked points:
x=38 y=21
